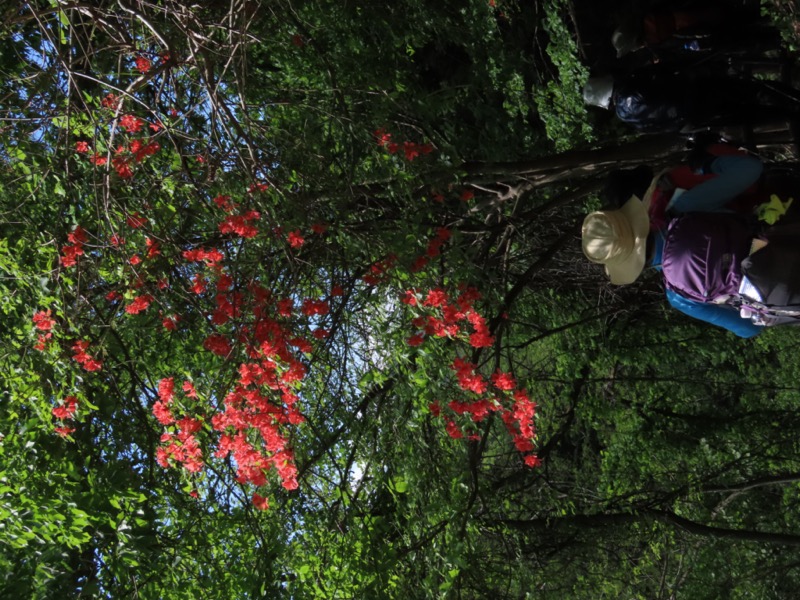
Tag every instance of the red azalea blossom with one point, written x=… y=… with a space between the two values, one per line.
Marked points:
x=41 y=342
x=43 y=320
x=285 y=307
x=166 y=389
x=153 y=249
x=239 y=224
x=67 y=409
x=295 y=239
x=224 y=202
x=319 y=228
x=188 y=388
x=224 y=283
x=409 y=297
x=419 y=264
x=411 y=151
x=211 y=257
x=217 y=344
x=131 y=124
x=98 y=159
x=313 y=307
x=533 y=461
x=415 y=340
x=382 y=137
x=64 y=431
x=78 y=236
x=83 y=358
x=82 y=147
x=122 y=166
x=467 y=195
x=481 y=339
x=260 y=502
x=436 y=297
x=199 y=285
x=503 y=381
x=140 y=150
x=110 y=101
x=453 y=431
x=139 y=304
x=143 y=64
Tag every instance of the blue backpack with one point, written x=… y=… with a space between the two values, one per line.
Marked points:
x=703 y=254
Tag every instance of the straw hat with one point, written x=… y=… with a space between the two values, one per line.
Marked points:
x=618 y=240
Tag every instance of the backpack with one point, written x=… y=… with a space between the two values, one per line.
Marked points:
x=773 y=274
x=703 y=253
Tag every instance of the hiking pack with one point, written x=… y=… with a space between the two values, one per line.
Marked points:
x=731 y=259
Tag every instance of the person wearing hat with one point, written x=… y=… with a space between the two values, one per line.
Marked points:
x=624 y=243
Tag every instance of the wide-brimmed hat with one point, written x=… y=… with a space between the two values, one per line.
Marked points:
x=618 y=240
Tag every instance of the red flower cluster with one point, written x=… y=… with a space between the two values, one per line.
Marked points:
x=71 y=252
x=65 y=412
x=67 y=409
x=217 y=344
x=170 y=323
x=435 y=245
x=141 y=150
x=224 y=202
x=139 y=304
x=452 y=315
x=135 y=153
x=83 y=358
x=411 y=150
x=143 y=64
x=295 y=239
x=131 y=124
x=260 y=502
x=98 y=159
x=110 y=101
x=181 y=446
x=212 y=257
x=199 y=284
x=153 y=248
x=442 y=317
x=263 y=402
x=378 y=271
x=313 y=307
x=43 y=320
x=434 y=249
x=240 y=224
